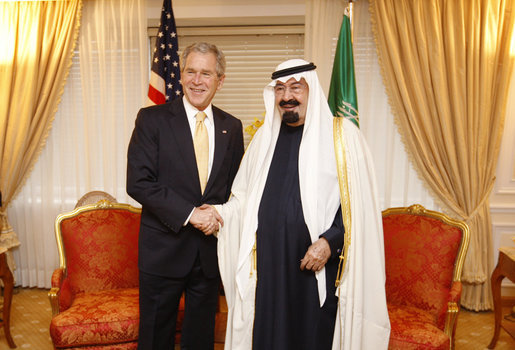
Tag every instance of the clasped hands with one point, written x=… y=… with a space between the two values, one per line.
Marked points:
x=206 y=219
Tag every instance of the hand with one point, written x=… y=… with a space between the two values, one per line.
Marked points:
x=317 y=255
x=206 y=219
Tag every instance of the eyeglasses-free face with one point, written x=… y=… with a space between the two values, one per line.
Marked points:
x=291 y=99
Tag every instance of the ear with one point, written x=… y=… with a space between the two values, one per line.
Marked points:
x=220 y=82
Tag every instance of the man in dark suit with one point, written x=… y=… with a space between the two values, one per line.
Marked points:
x=172 y=174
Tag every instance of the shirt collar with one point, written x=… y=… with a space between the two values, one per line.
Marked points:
x=191 y=111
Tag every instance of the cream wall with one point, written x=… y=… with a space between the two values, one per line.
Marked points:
x=502 y=200
x=231 y=12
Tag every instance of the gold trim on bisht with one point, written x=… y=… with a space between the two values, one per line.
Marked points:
x=343 y=180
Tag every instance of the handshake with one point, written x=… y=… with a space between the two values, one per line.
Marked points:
x=206 y=219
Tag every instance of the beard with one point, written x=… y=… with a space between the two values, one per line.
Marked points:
x=290 y=117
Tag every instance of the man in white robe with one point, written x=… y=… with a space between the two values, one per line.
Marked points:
x=334 y=171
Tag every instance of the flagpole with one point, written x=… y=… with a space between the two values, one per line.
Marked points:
x=351 y=20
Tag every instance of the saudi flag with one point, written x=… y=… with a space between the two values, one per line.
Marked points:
x=343 y=99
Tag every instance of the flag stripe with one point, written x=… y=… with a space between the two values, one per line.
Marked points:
x=155 y=97
x=165 y=74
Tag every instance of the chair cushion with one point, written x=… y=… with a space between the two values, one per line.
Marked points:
x=104 y=317
x=413 y=328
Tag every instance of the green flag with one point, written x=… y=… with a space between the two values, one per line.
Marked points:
x=343 y=99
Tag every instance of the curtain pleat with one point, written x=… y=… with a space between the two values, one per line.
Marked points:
x=38 y=38
x=397 y=181
x=87 y=146
x=446 y=67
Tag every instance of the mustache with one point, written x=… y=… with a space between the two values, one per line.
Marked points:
x=291 y=102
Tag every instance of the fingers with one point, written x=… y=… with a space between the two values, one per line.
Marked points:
x=206 y=219
x=311 y=264
x=217 y=216
x=317 y=256
x=208 y=226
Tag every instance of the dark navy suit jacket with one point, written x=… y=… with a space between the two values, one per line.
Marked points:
x=162 y=176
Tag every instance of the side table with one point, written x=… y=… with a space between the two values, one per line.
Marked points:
x=505 y=268
x=7 y=277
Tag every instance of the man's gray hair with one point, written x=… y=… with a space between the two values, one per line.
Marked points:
x=204 y=48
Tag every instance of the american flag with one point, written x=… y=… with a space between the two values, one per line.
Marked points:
x=165 y=74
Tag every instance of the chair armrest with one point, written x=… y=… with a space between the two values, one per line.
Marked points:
x=53 y=294
x=455 y=292
x=453 y=308
x=60 y=295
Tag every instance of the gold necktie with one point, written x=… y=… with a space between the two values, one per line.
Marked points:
x=201 y=145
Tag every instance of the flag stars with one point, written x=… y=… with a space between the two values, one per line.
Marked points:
x=165 y=62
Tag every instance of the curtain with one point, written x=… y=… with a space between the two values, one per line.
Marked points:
x=323 y=22
x=35 y=55
x=87 y=146
x=447 y=66
x=398 y=182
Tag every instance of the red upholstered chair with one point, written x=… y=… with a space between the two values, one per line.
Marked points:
x=424 y=255
x=94 y=293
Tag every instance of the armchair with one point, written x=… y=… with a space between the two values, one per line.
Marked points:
x=94 y=294
x=424 y=255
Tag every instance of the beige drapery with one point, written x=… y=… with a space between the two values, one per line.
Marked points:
x=323 y=22
x=36 y=48
x=446 y=67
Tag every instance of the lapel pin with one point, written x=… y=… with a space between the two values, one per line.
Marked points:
x=224 y=131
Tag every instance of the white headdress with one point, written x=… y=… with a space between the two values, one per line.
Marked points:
x=317 y=165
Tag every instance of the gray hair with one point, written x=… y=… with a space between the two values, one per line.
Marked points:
x=204 y=48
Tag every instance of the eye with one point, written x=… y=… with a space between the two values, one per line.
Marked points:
x=296 y=89
x=279 y=89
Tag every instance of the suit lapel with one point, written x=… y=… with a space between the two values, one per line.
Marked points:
x=222 y=137
x=182 y=133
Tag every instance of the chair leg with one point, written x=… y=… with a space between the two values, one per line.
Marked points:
x=7 y=277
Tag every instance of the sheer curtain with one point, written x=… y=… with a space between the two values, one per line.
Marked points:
x=86 y=149
x=398 y=183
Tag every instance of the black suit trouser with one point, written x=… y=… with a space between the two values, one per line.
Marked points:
x=159 y=301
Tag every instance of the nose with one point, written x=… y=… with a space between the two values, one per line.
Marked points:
x=287 y=94
x=196 y=78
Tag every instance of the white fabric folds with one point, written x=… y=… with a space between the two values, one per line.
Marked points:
x=362 y=319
